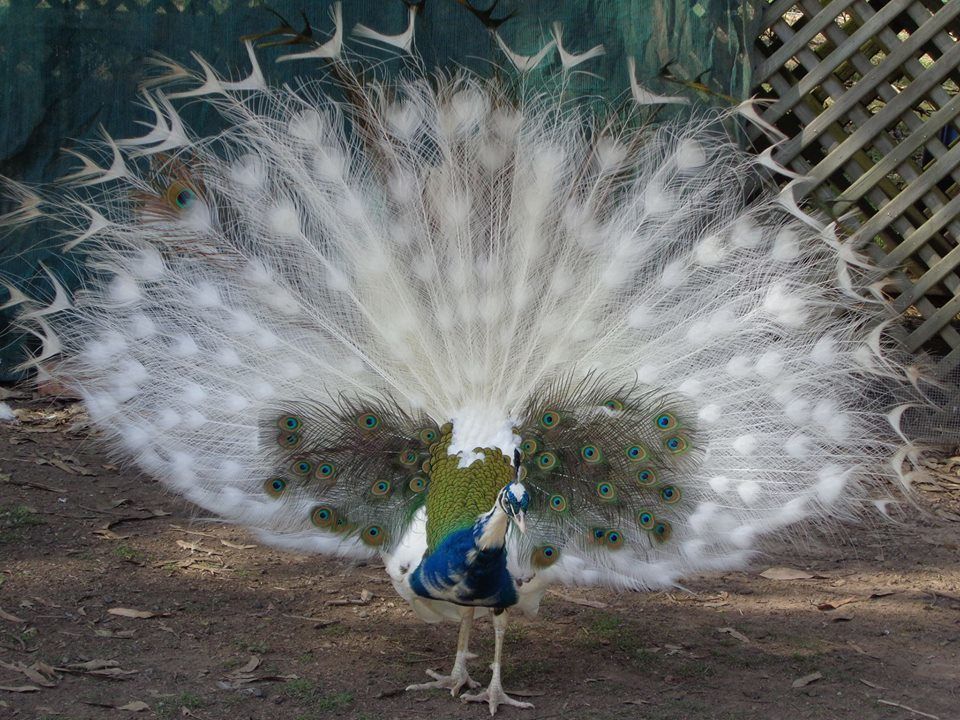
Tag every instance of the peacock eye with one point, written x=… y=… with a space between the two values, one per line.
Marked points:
x=676 y=445
x=288 y=440
x=323 y=517
x=380 y=488
x=544 y=556
x=368 y=421
x=645 y=519
x=606 y=491
x=550 y=419
x=373 y=535
x=591 y=454
x=275 y=486
x=326 y=471
x=662 y=531
x=408 y=457
x=528 y=447
x=636 y=453
x=666 y=421
x=289 y=422
x=428 y=436
x=302 y=467
x=613 y=539
x=599 y=534
x=670 y=494
x=546 y=461
x=613 y=404
x=558 y=503
x=646 y=477
x=180 y=195
x=418 y=484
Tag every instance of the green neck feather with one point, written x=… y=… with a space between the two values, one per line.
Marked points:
x=456 y=495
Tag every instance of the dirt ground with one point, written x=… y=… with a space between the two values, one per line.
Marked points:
x=119 y=600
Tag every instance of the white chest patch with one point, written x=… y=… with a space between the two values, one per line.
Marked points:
x=481 y=427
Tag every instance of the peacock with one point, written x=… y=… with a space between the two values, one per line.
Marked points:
x=500 y=338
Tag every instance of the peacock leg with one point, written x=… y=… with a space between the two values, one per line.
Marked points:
x=459 y=676
x=494 y=694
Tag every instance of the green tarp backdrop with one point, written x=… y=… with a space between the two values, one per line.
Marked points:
x=68 y=67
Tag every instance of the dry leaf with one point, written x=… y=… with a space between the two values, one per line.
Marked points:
x=807 y=679
x=133 y=613
x=19 y=688
x=734 y=633
x=135 y=706
x=9 y=617
x=236 y=546
x=785 y=573
x=834 y=604
x=252 y=664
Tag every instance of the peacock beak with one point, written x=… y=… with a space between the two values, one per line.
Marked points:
x=520 y=522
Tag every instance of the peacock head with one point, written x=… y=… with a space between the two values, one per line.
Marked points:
x=513 y=498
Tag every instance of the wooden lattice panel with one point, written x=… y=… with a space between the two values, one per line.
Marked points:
x=867 y=92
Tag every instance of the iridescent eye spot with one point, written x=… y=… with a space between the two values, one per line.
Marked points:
x=591 y=454
x=302 y=467
x=547 y=461
x=670 y=494
x=408 y=457
x=326 y=471
x=373 y=535
x=181 y=196
x=599 y=534
x=323 y=517
x=646 y=477
x=662 y=531
x=380 y=488
x=636 y=453
x=613 y=404
x=613 y=539
x=275 y=487
x=645 y=519
x=666 y=421
x=368 y=421
x=418 y=484
x=550 y=419
x=528 y=447
x=676 y=445
x=606 y=491
x=558 y=503
x=428 y=436
x=288 y=439
x=289 y=422
x=544 y=556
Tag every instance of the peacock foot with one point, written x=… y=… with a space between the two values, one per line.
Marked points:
x=495 y=697
x=454 y=682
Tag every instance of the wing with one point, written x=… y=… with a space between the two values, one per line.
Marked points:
x=604 y=468
x=358 y=469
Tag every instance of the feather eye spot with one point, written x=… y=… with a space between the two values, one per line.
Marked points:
x=528 y=448
x=647 y=477
x=646 y=520
x=549 y=419
x=670 y=494
x=558 y=503
x=547 y=461
x=326 y=471
x=368 y=421
x=380 y=488
x=302 y=467
x=591 y=454
x=613 y=404
x=373 y=535
x=428 y=436
x=418 y=484
x=275 y=487
x=180 y=196
x=598 y=535
x=544 y=556
x=636 y=453
x=290 y=423
x=666 y=421
x=662 y=531
x=288 y=439
x=323 y=517
x=613 y=539
x=408 y=457
x=676 y=445
x=606 y=491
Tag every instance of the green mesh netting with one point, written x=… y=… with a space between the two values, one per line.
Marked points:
x=71 y=66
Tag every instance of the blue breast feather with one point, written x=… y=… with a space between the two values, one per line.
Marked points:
x=460 y=573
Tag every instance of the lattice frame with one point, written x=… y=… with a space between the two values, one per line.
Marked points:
x=867 y=93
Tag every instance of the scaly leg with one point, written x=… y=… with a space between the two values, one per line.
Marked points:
x=494 y=694
x=459 y=676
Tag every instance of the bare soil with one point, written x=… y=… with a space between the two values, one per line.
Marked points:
x=226 y=628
